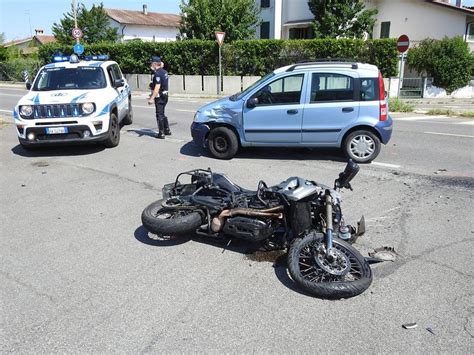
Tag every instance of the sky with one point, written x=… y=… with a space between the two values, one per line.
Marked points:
x=16 y=15
x=19 y=18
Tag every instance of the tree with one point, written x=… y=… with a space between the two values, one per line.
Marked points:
x=341 y=18
x=448 y=61
x=94 y=24
x=201 y=18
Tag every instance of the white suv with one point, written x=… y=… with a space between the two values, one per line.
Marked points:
x=74 y=101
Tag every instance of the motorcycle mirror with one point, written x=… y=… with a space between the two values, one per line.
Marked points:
x=347 y=175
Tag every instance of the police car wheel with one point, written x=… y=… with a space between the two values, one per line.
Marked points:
x=223 y=143
x=113 y=138
x=128 y=120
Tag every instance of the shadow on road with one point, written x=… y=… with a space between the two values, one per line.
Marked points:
x=53 y=151
x=273 y=153
x=143 y=132
x=145 y=237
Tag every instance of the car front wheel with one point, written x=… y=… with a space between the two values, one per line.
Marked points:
x=223 y=143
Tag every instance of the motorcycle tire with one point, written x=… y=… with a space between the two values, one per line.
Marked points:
x=304 y=269
x=169 y=222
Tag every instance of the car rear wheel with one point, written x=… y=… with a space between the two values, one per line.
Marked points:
x=223 y=143
x=362 y=146
x=128 y=120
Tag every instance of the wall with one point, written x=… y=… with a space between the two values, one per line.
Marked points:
x=417 y=19
x=194 y=84
x=146 y=33
x=271 y=14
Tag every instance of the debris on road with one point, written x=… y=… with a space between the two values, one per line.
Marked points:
x=384 y=254
x=430 y=330
x=409 y=325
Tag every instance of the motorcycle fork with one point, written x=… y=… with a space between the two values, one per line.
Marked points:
x=329 y=226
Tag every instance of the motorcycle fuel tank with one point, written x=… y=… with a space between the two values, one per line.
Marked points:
x=296 y=188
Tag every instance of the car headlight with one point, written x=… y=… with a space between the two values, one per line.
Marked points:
x=26 y=110
x=88 y=108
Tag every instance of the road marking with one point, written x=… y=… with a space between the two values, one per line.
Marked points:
x=3 y=94
x=386 y=165
x=177 y=109
x=416 y=118
x=471 y=123
x=449 y=134
x=151 y=106
x=7 y=111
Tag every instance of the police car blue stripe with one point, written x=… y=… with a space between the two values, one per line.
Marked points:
x=74 y=100
x=15 y=115
x=36 y=99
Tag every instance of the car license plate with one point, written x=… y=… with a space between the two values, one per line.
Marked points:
x=56 y=130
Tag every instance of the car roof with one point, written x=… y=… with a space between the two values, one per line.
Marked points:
x=82 y=63
x=364 y=69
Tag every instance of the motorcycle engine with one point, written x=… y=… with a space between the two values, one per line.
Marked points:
x=251 y=229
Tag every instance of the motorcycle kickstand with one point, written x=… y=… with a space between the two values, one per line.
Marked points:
x=228 y=243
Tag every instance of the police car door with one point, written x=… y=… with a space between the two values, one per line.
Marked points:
x=122 y=92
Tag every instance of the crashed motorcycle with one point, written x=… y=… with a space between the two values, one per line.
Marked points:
x=299 y=215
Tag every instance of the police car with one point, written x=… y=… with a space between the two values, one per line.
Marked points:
x=74 y=101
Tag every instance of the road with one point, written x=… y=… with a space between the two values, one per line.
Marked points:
x=79 y=273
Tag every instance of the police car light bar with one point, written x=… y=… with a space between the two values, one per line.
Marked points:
x=97 y=57
x=60 y=58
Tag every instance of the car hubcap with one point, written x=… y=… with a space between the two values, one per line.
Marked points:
x=362 y=146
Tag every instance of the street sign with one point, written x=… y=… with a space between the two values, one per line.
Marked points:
x=76 y=33
x=403 y=43
x=220 y=37
x=78 y=48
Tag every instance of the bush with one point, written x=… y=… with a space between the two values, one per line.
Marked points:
x=254 y=57
x=397 y=105
x=448 y=61
x=12 y=69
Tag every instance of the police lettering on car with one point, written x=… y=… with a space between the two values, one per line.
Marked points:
x=159 y=95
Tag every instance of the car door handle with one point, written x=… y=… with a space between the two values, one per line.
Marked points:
x=347 y=109
x=292 y=112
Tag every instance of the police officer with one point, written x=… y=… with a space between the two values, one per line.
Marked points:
x=159 y=96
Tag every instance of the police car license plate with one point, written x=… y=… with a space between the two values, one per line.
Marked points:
x=56 y=130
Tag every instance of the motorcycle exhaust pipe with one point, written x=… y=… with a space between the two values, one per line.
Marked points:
x=218 y=221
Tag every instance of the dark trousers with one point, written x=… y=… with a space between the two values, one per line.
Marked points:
x=161 y=119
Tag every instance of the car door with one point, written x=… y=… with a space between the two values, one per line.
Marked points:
x=114 y=74
x=331 y=105
x=278 y=114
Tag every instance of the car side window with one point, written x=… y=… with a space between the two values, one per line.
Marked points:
x=111 y=73
x=117 y=72
x=284 y=91
x=369 y=89
x=331 y=87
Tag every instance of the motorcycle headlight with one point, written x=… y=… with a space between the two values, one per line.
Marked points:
x=88 y=108
x=26 y=110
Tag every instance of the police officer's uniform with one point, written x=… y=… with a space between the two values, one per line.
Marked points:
x=160 y=77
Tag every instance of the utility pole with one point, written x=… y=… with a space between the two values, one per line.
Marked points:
x=75 y=16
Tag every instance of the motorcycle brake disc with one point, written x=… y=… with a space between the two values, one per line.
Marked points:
x=339 y=267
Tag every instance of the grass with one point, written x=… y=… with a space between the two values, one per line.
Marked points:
x=3 y=123
x=397 y=105
x=449 y=112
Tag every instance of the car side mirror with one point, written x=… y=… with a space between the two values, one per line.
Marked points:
x=28 y=85
x=119 y=83
x=252 y=102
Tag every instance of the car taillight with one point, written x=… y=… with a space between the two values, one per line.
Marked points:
x=382 y=103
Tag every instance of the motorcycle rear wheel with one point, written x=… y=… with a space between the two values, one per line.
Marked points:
x=310 y=277
x=170 y=222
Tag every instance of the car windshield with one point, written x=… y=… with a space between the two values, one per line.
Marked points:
x=80 y=78
x=240 y=95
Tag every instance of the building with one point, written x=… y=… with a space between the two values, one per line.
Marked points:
x=30 y=45
x=419 y=19
x=144 y=25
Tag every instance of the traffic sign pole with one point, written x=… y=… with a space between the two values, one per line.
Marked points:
x=220 y=41
x=403 y=43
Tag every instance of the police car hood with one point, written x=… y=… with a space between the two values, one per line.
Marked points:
x=62 y=97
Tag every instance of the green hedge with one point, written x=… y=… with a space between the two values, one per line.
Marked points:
x=254 y=57
x=11 y=69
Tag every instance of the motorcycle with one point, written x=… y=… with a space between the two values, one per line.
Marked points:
x=302 y=216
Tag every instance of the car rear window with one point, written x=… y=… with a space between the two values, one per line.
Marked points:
x=369 y=89
x=331 y=87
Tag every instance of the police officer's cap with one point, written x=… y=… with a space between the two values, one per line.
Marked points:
x=155 y=59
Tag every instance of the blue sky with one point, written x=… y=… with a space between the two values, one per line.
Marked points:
x=16 y=15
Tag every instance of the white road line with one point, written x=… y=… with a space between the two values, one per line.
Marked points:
x=151 y=106
x=386 y=165
x=177 y=109
x=449 y=134
x=7 y=111
x=3 y=94
x=416 y=118
x=471 y=123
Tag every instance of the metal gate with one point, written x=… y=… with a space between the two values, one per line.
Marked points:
x=411 y=88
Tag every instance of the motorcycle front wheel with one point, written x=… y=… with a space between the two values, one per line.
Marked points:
x=170 y=222
x=347 y=277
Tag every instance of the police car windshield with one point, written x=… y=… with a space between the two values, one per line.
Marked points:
x=80 y=78
x=240 y=95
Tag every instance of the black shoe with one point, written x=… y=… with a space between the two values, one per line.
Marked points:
x=168 y=133
x=160 y=136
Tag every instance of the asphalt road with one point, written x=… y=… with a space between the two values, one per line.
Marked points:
x=79 y=274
